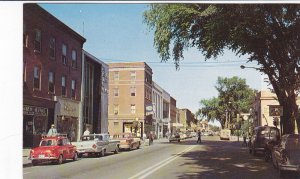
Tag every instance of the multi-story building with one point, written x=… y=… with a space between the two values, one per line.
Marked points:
x=186 y=117
x=173 y=115
x=166 y=113
x=266 y=108
x=94 y=95
x=52 y=57
x=157 y=100
x=130 y=95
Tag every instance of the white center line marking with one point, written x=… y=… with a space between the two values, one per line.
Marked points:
x=144 y=173
x=26 y=173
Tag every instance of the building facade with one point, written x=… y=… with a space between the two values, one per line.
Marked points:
x=166 y=113
x=94 y=95
x=157 y=101
x=51 y=75
x=130 y=95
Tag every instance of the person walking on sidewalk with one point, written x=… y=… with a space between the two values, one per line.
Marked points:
x=151 y=138
x=199 y=137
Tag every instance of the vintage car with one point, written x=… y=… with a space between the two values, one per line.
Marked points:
x=174 y=137
x=128 y=141
x=97 y=144
x=55 y=149
x=286 y=155
x=261 y=135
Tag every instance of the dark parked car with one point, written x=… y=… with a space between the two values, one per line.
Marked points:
x=286 y=155
x=261 y=135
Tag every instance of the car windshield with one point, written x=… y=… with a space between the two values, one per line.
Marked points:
x=91 y=137
x=47 y=143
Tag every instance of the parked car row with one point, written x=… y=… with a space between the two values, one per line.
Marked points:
x=57 y=149
x=284 y=152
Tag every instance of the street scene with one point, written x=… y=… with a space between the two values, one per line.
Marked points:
x=135 y=90
x=210 y=159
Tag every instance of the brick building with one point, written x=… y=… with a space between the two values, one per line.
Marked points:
x=52 y=58
x=130 y=94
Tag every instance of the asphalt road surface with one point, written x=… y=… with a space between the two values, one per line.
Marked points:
x=187 y=159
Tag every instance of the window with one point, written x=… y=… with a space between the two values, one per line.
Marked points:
x=37 y=40
x=116 y=75
x=73 y=89
x=116 y=92
x=36 y=80
x=116 y=109
x=133 y=75
x=116 y=123
x=132 y=109
x=52 y=47
x=132 y=91
x=64 y=54
x=74 y=59
x=51 y=82
x=63 y=86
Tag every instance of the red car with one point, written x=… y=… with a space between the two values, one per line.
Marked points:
x=55 y=149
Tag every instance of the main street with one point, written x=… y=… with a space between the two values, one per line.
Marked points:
x=187 y=159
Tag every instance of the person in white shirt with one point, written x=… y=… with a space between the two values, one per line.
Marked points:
x=52 y=131
x=86 y=132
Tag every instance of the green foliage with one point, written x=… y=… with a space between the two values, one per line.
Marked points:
x=268 y=33
x=234 y=95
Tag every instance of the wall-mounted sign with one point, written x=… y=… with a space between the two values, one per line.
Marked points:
x=275 y=110
x=34 y=110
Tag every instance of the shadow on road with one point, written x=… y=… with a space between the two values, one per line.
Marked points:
x=225 y=159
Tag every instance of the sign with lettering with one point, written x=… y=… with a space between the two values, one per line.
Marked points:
x=275 y=110
x=68 y=108
x=34 y=110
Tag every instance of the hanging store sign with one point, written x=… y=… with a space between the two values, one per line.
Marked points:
x=34 y=110
x=67 y=108
x=275 y=110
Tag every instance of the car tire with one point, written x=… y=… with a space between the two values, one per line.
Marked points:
x=80 y=155
x=139 y=144
x=102 y=153
x=60 y=159
x=75 y=156
x=117 y=150
x=34 y=163
x=178 y=140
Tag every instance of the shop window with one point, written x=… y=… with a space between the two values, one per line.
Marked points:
x=64 y=54
x=36 y=80
x=132 y=91
x=74 y=59
x=51 y=82
x=63 y=86
x=37 y=40
x=73 y=89
x=52 y=48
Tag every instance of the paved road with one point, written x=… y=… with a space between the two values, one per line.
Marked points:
x=187 y=159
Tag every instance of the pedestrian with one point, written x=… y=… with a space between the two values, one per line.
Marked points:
x=244 y=139
x=199 y=137
x=52 y=131
x=87 y=131
x=151 y=138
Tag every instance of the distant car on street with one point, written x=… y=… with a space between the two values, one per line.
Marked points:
x=286 y=155
x=98 y=144
x=128 y=141
x=54 y=149
x=174 y=137
x=225 y=134
x=261 y=135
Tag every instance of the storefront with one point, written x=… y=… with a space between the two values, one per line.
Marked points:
x=129 y=127
x=67 y=117
x=35 y=122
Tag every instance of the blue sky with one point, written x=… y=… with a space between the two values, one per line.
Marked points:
x=116 y=33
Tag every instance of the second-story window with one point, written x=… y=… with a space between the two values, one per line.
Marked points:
x=52 y=47
x=73 y=88
x=51 y=82
x=37 y=40
x=74 y=59
x=116 y=75
x=64 y=54
x=132 y=91
x=116 y=91
x=133 y=75
x=63 y=86
x=36 y=76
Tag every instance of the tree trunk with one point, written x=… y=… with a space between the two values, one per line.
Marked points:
x=290 y=112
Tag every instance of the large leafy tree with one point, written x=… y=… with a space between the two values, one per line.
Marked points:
x=234 y=96
x=268 y=33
